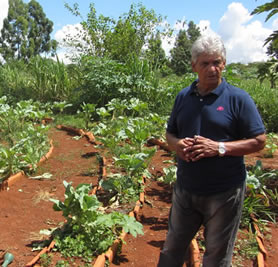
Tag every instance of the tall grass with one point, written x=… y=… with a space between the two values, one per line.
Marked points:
x=41 y=79
x=266 y=100
x=49 y=80
x=14 y=81
x=99 y=80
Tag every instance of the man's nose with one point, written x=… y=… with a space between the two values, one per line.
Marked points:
x=212 y=67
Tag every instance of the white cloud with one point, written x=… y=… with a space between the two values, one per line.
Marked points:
x=275 y=25
x=243 y=36
x=244 y=39
x=204 y=26
x=233 y=19
x=167 y=44
x=70 y=37
x=3 y=11
x=66 y=31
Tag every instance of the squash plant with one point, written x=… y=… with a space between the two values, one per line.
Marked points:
x=88 y=231
x=126 y=187
x=125 y=137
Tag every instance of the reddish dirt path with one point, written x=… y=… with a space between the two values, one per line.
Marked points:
x=24 y=212
x=144 y=250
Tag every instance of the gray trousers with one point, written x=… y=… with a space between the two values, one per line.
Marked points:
x=219 y=214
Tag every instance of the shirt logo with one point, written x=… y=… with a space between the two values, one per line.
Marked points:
x=220 y=108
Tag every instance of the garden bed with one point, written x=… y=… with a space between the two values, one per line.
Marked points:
x=25 y=209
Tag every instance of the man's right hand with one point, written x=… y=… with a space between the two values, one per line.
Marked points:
x=182 y=148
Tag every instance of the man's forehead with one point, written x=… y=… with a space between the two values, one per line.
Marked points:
x=204 y=57
x=210 y=56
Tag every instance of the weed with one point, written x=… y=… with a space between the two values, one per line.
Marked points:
x=246 y=246
x=45 y=260
x=62 y=263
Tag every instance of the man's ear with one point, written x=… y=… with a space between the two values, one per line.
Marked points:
x=224 y=65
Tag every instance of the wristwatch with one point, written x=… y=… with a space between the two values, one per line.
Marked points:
x=221 y=149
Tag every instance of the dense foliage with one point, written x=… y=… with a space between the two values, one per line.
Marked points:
x=88 y=231
x=269 y=69
x=117 y=39
x=181 y=52
x=26 y=31
x=22 y=143
x=122 y=88
x=40 y=79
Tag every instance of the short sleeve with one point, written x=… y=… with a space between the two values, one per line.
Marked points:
x=250 y=121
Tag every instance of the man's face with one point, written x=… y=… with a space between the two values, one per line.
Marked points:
x=209 y=69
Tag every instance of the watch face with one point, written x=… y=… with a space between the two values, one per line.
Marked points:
x=221 y=149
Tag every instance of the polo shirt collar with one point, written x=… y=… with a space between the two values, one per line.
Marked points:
x=217 y=91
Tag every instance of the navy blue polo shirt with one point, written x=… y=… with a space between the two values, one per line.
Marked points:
x=226 y=114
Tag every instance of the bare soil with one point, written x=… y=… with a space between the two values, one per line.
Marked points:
x=25 y=208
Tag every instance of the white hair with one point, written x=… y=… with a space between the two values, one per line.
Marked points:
x=209 y=44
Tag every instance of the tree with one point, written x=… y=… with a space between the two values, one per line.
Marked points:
x=40 y=28
x=272 y=40
x=272 y=8
x=132 y=32
x=270 y=68
x=272 y=49
x=181 y=52
x=26 y=31
x=116 y=39
x=91 y=38
x=155 y=53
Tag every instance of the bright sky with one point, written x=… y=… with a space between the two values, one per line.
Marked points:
x=242 y=33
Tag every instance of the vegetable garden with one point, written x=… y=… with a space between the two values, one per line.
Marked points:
x=54 y=205
x=85 y=174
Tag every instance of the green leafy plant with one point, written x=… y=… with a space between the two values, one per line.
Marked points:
x=87 y=111
x=257 y=175
x=23 y=139
x=138 y=132
x=170 y=175
x=246 y=247
x=9 y=163
x=271 y=145
x=117 y=106
x=88 y=231
x=123 y=188
x=136 y=163
x=62 y=263
x=126 y=187
x=257 y=201
x=45 y=260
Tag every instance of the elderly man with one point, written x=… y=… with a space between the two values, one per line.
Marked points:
x=212 y=126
